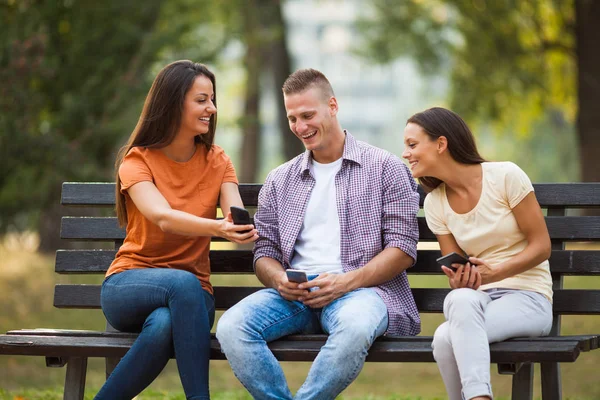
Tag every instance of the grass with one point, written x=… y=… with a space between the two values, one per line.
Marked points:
x=56 y=394
x=26 y=290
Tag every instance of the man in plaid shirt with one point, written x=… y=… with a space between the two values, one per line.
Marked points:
x=345 y=213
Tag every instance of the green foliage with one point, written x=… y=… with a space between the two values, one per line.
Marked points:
x=73 y=81
x=511 y=67
x=508 y=60
x=74 y=76
x=69 y=70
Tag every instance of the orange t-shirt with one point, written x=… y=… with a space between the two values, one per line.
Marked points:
x=192 y=186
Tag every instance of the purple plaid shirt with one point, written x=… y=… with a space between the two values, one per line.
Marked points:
x=377 y=204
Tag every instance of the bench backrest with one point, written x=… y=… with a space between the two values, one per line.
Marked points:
x=555 y=198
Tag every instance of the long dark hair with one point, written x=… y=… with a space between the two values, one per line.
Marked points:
x=161 y=116
x=438 y=121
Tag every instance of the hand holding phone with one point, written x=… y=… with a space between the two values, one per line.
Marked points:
x=452 y=258
x=296 y=275
x=240 y=216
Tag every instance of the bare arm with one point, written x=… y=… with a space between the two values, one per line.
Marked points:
x=230 y=196
x=383 y=267
x=152 y=204
x=531 y=222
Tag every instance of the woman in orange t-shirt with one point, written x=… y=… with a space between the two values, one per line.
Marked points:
x=170 y=176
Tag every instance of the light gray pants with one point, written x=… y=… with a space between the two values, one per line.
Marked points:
x=474 y=319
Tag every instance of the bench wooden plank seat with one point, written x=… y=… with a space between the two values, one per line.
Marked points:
x=65 y=343
x=514 y=356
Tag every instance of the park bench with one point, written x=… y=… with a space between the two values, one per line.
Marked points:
x=516 y=356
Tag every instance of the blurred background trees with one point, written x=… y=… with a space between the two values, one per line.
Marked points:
x=73 y=77
x=514 y=63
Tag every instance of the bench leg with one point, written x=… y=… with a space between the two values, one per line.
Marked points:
x=551 y=382
x=522 y=384
x=111 y=364
x=75 y=378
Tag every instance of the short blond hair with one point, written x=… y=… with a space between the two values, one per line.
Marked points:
x=304 y=79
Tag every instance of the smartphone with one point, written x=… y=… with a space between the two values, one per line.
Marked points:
x=452 y=258
x=240 y=216
x=296 y=275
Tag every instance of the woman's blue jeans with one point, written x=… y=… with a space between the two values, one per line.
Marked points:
x=173 y=315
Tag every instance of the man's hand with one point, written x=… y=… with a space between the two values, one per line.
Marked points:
x=466 y=276
x=328 y=288
x=289 y=290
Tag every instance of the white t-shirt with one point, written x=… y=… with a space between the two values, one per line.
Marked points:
x=490 y=231
x=317 y=248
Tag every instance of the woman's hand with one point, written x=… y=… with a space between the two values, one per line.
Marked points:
x=488 y=274
x=240 y=234
x=466 y=276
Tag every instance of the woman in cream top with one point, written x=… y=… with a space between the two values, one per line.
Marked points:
x=488 y=212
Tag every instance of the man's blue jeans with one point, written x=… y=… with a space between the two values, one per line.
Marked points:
x=174 y=315
x=353 y=322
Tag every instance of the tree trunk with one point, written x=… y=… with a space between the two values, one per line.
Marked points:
x=587 y=13
x=281 y=64
x=250 y=120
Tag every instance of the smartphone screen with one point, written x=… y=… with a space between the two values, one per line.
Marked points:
x=240 y=216
x=295 y=275
x=452 y=258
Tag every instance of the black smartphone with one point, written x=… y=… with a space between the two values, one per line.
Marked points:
x=452 y=258
x=240 y=216
x=295 y=275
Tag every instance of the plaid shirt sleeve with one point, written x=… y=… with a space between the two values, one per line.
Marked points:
x=400 y=207
x=266 y=222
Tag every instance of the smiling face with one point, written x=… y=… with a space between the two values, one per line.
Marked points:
x=421 y=151
x=198 y=107
x=311 y=116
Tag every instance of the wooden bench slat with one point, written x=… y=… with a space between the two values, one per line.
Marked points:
x=288 y=350
x=102 y=194
x=566 y=262
x=83 y=261
x=88 y=194
x=568 y=194
x=573 y=228
x=566 y=301
x=88 y=296
x=98 y=261
x=586 y=342
x=580 y=195
x=96 y=229
x=420 y=351
x=106 y=228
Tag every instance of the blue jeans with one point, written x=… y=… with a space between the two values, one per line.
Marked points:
x=353 y=322
x=173 y=315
